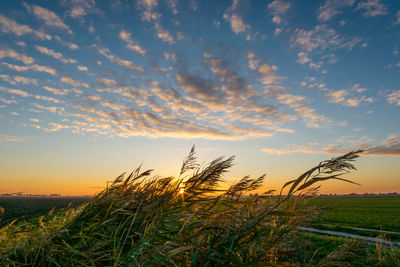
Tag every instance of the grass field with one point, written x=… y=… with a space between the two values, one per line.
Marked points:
x=24 y=208
x=380 y=213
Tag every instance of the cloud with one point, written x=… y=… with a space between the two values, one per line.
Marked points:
x=70 y=45
x=132 y=45
x=397 y=18
x=7 y=79
x=107 y=82
x=237 y=24
x=278 y=9
x=54 y=127
x=197 y=87
x=267 y=72
x=10 y=26
x=14 y=91
x=199 y=107
x=82 y=68
x=163 y=34
x=21 y=43
x=147 y=4
x=11 y=53
x=25 y=80
x=300 y=104
x=121 y=62
x=315 y=43
x=79 y=9
x=394 y=98
x=147 y=7
x=47 y=98
x=18 y=79
x=304 y=59
x=340 y=97
x=8 y=138
x=290 y=149
x=236 y=21
x=34 y=67
x=54 y=54
x=273 y=88
x=322 y=37
x=372 y=8
x=56 y=91
x=172 y=5
x=332 y=8
x=50 y=18
x=73 y=82
x=388 y=147
x=8 y=101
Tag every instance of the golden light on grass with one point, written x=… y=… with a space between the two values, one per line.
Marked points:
x=181 y=191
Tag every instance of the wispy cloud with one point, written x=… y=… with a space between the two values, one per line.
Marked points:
x=8 y=101
x=56 y=91
x=14 y=91
x=163 y=33
x=70 y=45
x=388 y=147
x=79 y=9
x=321 y=38
x=372 y=8
x=8 y=138
x=342 y=97
x=394 y=98
x=11 y=53
x=397 y=18
x=121 y=62
x=332 y=8
x=290 y=149
x=173 y=6
x=18 y=79
x=73 y=82
x=50 y=18
x=34 y=67
x=10 y=26
x=278 y=9
x=132 y=45
x=107 y=82
x=148 y=4
x=236 y=22
x=54 y=54
x=82 y=68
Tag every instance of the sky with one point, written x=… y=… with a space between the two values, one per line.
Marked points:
x=90 y=89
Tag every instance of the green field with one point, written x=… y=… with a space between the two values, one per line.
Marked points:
x=380 y=213
x=24 y=208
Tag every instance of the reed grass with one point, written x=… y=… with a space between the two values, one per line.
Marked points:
x=141 y=220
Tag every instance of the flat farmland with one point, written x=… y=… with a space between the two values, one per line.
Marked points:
x=24 y=208
x=379 y=213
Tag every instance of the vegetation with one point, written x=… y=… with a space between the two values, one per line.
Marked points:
x=379 y=213
x=28 y=207
x=184 y=221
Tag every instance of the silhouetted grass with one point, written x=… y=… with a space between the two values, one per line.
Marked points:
x=143 y=221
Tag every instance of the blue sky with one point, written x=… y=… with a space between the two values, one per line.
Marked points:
x=269 y=81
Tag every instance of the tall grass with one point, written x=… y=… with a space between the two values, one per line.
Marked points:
x=186 y=221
